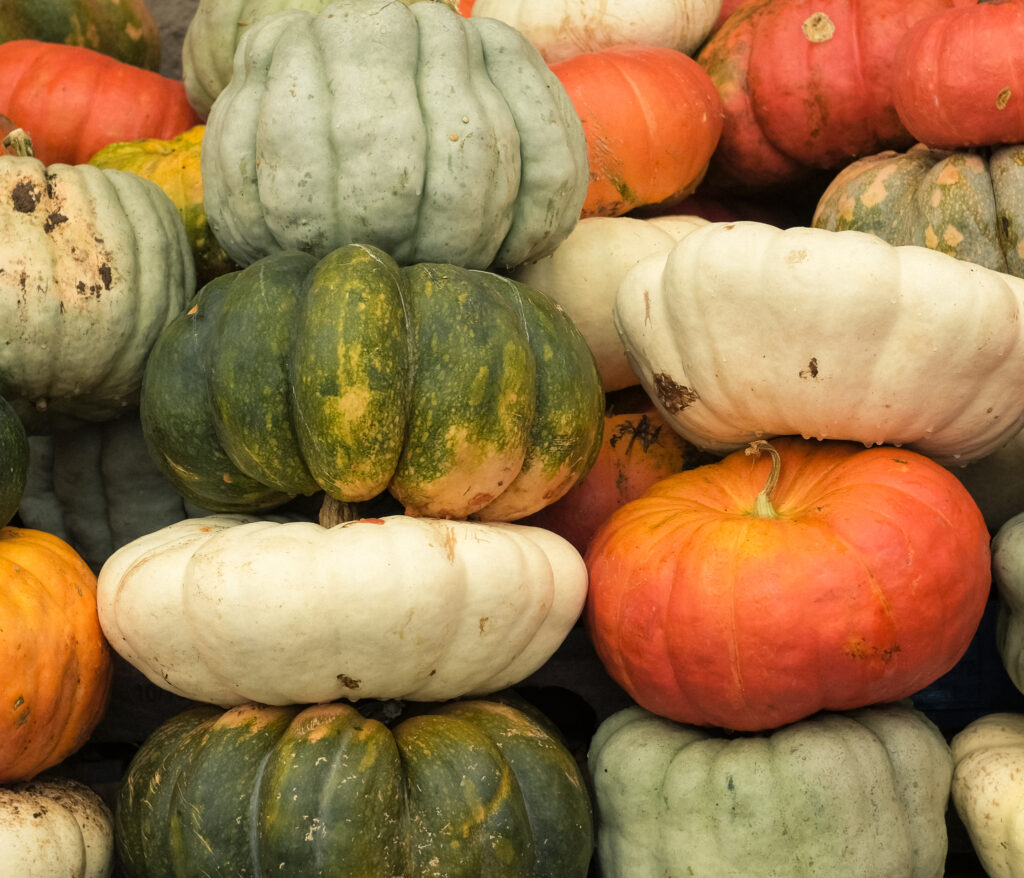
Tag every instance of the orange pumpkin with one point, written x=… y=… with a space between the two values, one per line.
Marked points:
x=721 y=598
x=652 y=119
x=55 y=665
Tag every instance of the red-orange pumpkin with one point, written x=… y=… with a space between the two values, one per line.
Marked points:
x=652 y=119
x=73 y=100
x=959 y=76
x=860 y=578
x=55 y=665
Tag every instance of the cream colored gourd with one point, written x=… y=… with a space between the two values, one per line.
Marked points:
x=746 y=331
x=227 y=609
x=988 y=790
x=561 y=29
x=55 y=828
x=1008 y=584
x=584 y=272
x=859 y=794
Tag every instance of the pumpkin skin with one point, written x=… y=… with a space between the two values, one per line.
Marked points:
x=56 y=664
x=781 y=306
x=561 y=29
x=174 y=166
x=949 y=111
x=465 y=790
x=55 y=828
x=649 y=151
x=1008 y=578
x=480 y=159
x=860 y=793
x=14 y=461
x=701 y=595
x=805 y=85
x=964 y=203
x=75 y=330
x=226 y=609
x=495 y=429
x=123 y=29
x=74 y=100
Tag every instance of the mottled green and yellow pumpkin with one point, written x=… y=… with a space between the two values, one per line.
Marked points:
x=461 y=392
x=472 y=789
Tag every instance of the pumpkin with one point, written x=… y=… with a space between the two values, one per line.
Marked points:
x=1008 y=577
x=806 y=85
x=464 y=790
x=460 y=392
x=93 y=264
x=226 y=609
x=988 y=761
x=562 y=29
x=75 y=100
x=637 y=450
x=944 y=107
x=746 y=331
x=462 y=148
x=755 y=591
x=124 y=29
x=174 y=166
x=584 y=272
x=55 y=828
x=651 y=117
x=859 y=793
x=963 y=203
x=56 y=664
x=14 y=461
x=996 y=482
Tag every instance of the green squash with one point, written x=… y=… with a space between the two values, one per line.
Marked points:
x=966 y=204
x=14 y=457
x=434 y=137
x=472 y=789
x=461 y=392
x=861 y=793
x=123 y=29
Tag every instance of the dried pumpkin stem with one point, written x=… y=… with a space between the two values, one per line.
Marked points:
x=20 y=142
x=763 y=504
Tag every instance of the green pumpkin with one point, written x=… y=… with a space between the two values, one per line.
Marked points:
x=461 y=392
x=861 y=793
x=473 y=789
x=966 y=204
x=14 y=457
x=123 y=29
x=434 y=137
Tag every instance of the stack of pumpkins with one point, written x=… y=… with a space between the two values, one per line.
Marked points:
x=433 y=264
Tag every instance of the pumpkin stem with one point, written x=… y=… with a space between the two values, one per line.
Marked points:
x=20 y=142
x=334 y=511
x=763 y=504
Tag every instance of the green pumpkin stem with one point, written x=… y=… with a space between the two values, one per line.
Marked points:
x=763 y=504
x=20 y=142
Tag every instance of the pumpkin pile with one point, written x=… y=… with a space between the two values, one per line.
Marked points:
x=511 y=438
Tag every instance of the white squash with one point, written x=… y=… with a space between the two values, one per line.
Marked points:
x=227 y=609
x=55 y=828
x=561 y=29
x=746 y=331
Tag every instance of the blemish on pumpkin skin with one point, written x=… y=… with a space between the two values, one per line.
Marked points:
x=812 y=369
x=1002 y=99
x=818 y=28
x=794 y=257
x=25 y=196
x=675 y=397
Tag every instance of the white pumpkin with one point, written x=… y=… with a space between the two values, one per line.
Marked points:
x=227 y=609
x=561 y=29
x=584 y=272
x=746 y=331
x=55 y=828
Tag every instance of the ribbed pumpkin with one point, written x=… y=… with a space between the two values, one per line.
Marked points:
x=462 y=392
x=652 y=118
x=724 y=597
x=55 y=827
x=73 y=101
x=807 y=84
x=14 y=461
x=957 y=77
x=1008 y=578
x=174 y=166
x=55 y=665
x=93 y=264
x=123 y=29
x=969 y=204
x=462 y=148
x=474 y=789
